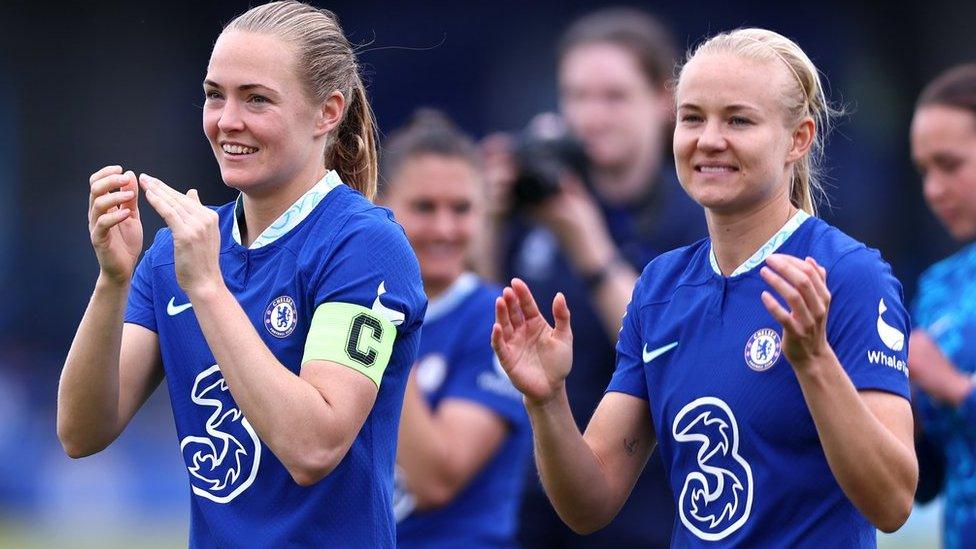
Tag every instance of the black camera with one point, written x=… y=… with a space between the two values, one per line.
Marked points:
x=544 y=152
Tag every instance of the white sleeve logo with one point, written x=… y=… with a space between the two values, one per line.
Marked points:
x=395 y=317
x=225 y=462
x=890 y=336
x=716 y=499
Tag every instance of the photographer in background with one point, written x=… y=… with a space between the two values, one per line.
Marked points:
x=582 y=211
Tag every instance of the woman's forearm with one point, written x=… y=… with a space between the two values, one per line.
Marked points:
x=569 y=470
x=422 y=452
x=88 y=393
x=441 y=450
x=876 y=470
x=288 y=413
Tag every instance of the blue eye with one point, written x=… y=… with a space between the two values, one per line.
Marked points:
x=213 y=95
x=258 y=99
x=740 y=121
x=691 y=118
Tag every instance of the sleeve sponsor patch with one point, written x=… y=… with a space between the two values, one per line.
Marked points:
x=353 y=336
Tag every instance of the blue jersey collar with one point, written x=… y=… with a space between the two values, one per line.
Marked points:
x=766 y=249
x=452 y=296
x=294 y=215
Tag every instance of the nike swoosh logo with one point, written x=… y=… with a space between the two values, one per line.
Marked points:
x=651 y=355
x=173 y=310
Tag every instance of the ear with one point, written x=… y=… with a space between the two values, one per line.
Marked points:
x=329 y=114
x=803 y=136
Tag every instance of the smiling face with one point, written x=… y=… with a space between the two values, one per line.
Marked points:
x=434 y=198
x=735 y=142
x=610 y=104
x=264 y=131
x=943 y=142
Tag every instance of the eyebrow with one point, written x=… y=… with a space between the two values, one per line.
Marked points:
x=242 y=87
x=734 y=107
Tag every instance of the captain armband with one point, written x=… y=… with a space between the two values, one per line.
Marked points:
x=353 y=336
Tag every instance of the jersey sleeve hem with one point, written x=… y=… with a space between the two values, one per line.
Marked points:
x=639 y=394
x=865 y=382
x=509 y=414
x=151 y=326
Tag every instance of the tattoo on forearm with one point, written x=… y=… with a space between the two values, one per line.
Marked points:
x=630 y=446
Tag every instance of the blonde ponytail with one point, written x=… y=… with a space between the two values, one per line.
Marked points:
x=326 y=63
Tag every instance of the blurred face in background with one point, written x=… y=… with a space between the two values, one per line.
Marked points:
x=734 y=142
x=260 y=124
x=944 y=150
x=610 y=104
x=435 y=198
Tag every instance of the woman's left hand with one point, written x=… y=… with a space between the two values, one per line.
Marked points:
x=196 y=235
x=803 y=285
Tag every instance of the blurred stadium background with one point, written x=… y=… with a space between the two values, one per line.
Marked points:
x=89 y=84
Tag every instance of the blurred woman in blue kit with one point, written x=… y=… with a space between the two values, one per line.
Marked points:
x=590 y=239
x=464 y=435
x=941 y=364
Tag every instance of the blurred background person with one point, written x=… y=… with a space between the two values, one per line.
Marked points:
x=942 y=360
x=464 y=435
x=582 y=210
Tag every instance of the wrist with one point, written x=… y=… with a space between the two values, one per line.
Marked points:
x=959 y=390
x=207 y=293
x=816 y=366
x=547 y=404
x=594 y=279
x=110 y=283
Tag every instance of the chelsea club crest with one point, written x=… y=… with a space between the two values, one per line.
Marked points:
x=281 y=317
x=763 y=349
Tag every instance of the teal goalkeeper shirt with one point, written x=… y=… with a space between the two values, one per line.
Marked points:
x=945 y=308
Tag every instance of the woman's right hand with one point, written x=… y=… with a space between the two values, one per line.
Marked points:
x=536 y=356
x=113 y=221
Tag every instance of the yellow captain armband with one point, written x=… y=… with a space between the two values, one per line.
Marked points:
x=353 y=336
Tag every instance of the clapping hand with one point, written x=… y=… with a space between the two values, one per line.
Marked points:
x=536 y=356
x=113 y=222
x=803 y=285
x=196 y=234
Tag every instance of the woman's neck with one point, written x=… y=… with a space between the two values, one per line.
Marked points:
x=435 y=289
x=261 y=210
x=735 y=237
x=628 y=182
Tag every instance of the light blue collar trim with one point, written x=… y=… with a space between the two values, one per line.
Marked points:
x=452 y=296
x=292 y=216
x=767 y=249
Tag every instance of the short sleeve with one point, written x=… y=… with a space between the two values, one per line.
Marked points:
x=868 y=325
x=628 y=377
x=371 y=276
x=372 y=265
x=139 y=309
x=477 y=376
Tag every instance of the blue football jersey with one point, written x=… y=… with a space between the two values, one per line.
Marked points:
x=945 y=308
x=331 y=246
x=741 y=451
x=456 y=361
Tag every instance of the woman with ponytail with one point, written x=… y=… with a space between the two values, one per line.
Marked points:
x=285 y=322
x=767 y=362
